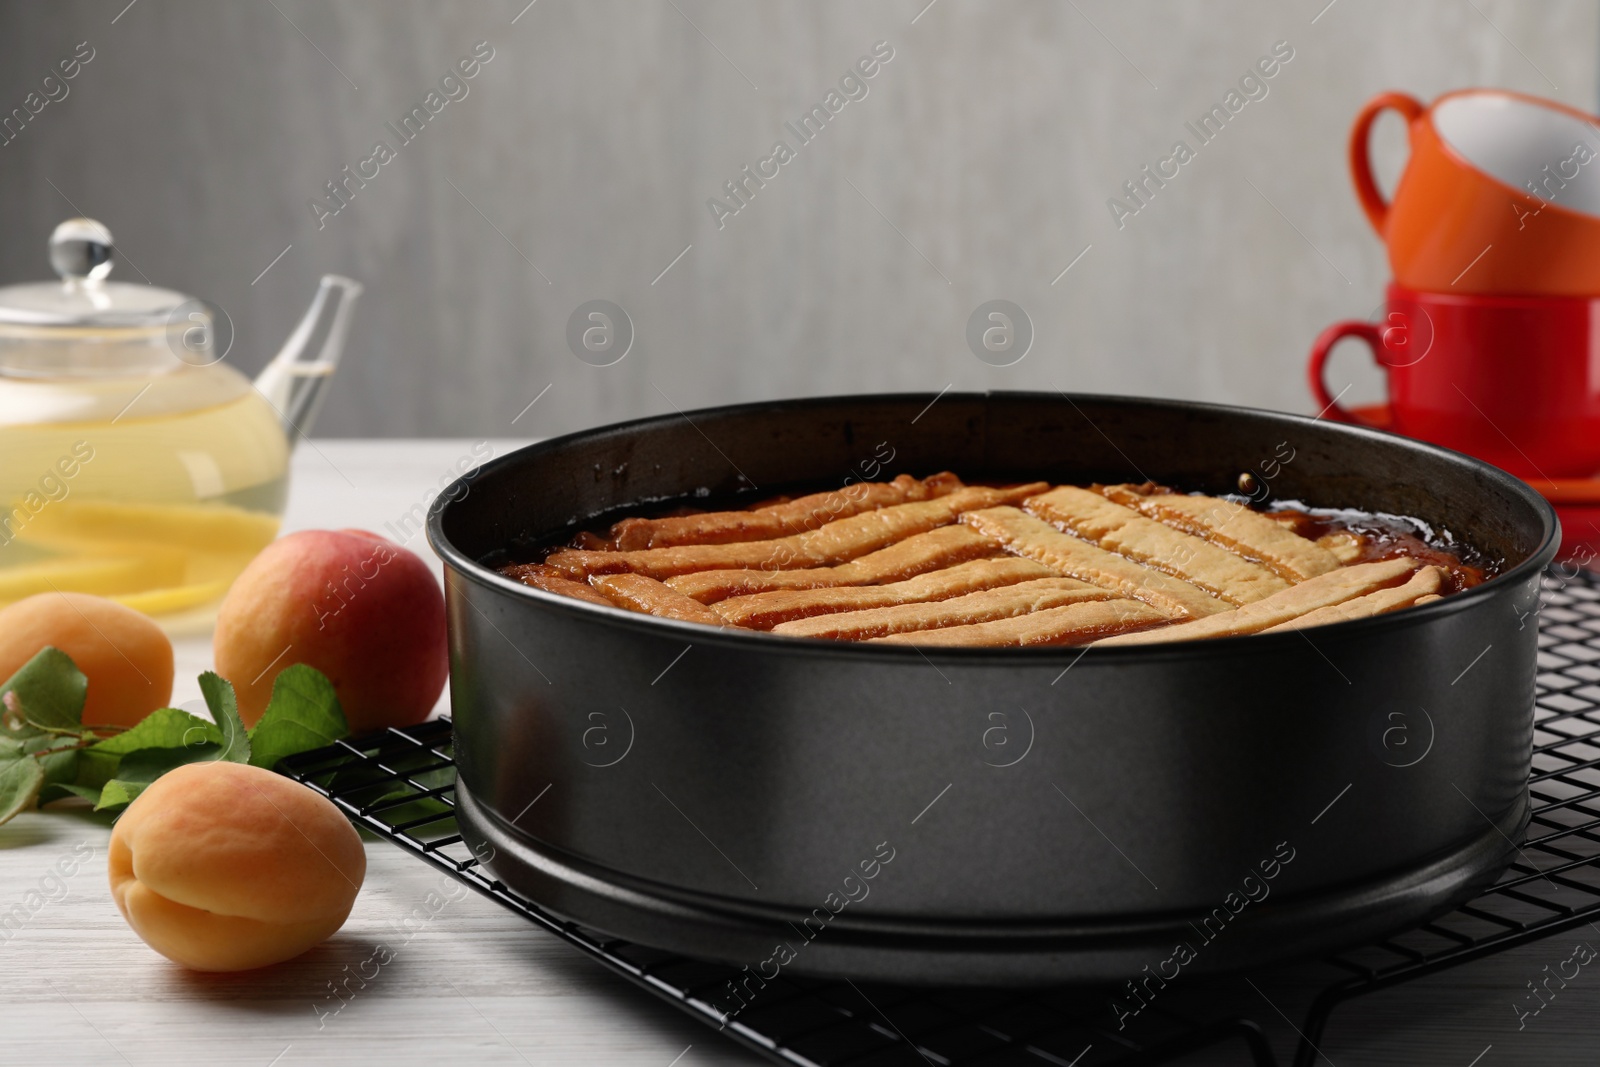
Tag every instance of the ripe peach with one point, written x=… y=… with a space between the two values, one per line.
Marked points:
x=224 y=867
x=362 y=610
x=125 y=656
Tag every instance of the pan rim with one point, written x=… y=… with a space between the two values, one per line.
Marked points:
x=694 y=633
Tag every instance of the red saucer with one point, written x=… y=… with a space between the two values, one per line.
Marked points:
x=1576 y=500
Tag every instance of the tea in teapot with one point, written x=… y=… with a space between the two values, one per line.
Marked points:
x=134 y=463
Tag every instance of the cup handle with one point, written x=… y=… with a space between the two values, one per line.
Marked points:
x=1322 y=347
x=1367 y=193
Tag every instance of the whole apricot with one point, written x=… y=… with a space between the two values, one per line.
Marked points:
x=125 y=656
x=360 y=609
x=224 y=867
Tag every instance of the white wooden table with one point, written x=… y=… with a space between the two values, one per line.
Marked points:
x=476 y=984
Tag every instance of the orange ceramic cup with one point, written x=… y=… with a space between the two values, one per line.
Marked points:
x=1501 y=194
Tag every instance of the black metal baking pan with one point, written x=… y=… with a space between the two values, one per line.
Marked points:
x=974 y=816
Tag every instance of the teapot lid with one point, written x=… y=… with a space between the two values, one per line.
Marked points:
x=85 y=324
x=81 y=251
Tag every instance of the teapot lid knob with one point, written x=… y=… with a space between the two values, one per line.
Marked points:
x=80 y=250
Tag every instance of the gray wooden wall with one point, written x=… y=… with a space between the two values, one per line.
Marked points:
x=578 y=166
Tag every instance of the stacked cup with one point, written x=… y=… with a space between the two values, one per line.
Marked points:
x=1490 y=337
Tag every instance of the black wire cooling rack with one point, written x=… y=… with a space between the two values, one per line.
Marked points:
x=400 y=785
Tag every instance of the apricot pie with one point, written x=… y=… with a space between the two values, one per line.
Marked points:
x=936 y=562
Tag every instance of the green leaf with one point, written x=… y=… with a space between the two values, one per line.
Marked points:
x=13 y=727
x=162 y=728
x=224 y=706
x=148 y=764
x=138 y=769
x=303 y=714
x=58 y=756
x=20 y=779
x=53 y=791
x=119 y=794
x=95 y=769
x=50 y=691
x=25 y=775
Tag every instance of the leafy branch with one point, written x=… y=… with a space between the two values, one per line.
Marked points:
x=47 y=753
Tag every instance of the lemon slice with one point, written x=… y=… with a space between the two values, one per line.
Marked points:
x=174 y=598
x=207 y=527
x=79 y=574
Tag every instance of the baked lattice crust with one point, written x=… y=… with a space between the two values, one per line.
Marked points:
x=935 y=562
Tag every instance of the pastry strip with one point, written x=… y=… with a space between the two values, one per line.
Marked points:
x=1124 y=531
x=1233 y=526
x=638 y=593
x=987 y=605
x=1323 y=591
x=1038 y=540
x=778 y=520
x=832 y=543
x=941 y=547
x=1344 y=544
x=1069 y=625
x=541 y=577
x=762 y=611
x=1423 y=584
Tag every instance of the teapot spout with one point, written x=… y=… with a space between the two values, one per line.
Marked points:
x=294 y=384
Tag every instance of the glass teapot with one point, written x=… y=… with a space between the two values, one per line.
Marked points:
x=134 y=463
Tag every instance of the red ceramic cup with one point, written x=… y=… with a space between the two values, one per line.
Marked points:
x=1512 y=380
